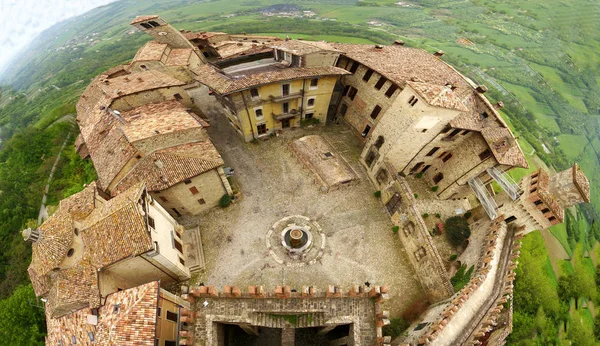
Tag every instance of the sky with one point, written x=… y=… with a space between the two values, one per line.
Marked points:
x=22 y=20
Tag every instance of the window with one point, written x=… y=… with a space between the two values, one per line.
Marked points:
x=368 y=75
x=452 y=134
x=382 y=176
x=181 y=261
x=379 y=142
x=352 y=93
x=464 y=132
x=354 y=67
x=258 y=112
x=311 y=102
x=484 y=115
x=413 y=101
x=485 y=154
x=163 y=199
x=438 y=177
x=285 y=107
x=254 y=93
x=193 y=190
x=285 y=89
x=176 y=211
x=346 y=89
x=447 y=157
x=425 y=169
x=153 y=23
x=170 y=343
x=432 y=151
x=146 y=25
x=365 y=132
x=370 y=158
x=178 y=97
x=171 y=316
x=178 y=246
x=261 y=129
x=151 y=222
x=533 y=190
x=552 y=218
x=187 y=181
x=314 y=82
x=343 y=109
x=295 y=60
x=201 y=201
x=545 y=210
x=538 y=202
x=375 y=112
x=158 y=311
x=380 y=83
x=416 y=167
x=71 y=252
x=391 y=90
x=308 y=115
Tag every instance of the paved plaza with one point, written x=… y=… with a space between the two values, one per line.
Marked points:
x=359 y=243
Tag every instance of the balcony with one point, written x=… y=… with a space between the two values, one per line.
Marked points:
x=292 y=113
x=286 y=97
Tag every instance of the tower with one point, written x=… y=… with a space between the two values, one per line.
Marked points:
x=570 y=187
x=163 y=32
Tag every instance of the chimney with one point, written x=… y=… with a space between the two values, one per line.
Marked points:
x=499 y=105
x=31 y=235
x=378 y=47
x=439 y=53
x=482 y=89
x=399 y=43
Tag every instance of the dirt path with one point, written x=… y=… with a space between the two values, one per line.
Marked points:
x=43 y=215
x=555 y=250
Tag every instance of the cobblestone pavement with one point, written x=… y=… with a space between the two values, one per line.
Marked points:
x=360 y=244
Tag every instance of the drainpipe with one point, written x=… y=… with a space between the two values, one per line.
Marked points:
x=248 y=114
x=302 y=106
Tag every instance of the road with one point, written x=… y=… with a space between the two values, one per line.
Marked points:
x=43 y=215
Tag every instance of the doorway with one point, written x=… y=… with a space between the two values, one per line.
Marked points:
x=285 y=123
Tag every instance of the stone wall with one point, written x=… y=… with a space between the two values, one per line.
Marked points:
x=417 y=242
x=458 y=320
x=285 y=308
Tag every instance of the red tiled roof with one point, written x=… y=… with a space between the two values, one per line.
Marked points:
x=438 y=96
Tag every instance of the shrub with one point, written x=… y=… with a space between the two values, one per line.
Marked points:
x=225 y=201
x=311 y=121
x=396 y=327
x=438 y=215
x=395 y=229
x=377 y=194
x=419 y=175
x=461 y=278
x=416 y=195
x=425 y=215
x=467 y=215
x=457 y=230
x=435 y=188
x=453 y=257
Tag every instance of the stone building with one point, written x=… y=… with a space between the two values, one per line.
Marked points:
x=434 y=121
x=270 y=91
x=92 y=250
x=139 y=126
x=176 y=62
x=543 y=198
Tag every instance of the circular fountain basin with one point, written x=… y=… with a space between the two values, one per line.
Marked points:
x=296 y=239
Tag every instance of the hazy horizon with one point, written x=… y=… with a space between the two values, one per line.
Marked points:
x=24 y=20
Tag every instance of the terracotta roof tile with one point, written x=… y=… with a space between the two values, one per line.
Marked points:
x=136 y=82
x=140 y=19
x=179 y=57
x=224 y=84
x=165 y=168
x=133 y=323
x=438 y=96
x=158 y=118
x=81 y=204
x=504 y=146
x=151 y=51
x=401 y=64
x=303 y=47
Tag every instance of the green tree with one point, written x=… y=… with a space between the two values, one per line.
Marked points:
x=457 y=230
x=22 y=319
x=580 y=333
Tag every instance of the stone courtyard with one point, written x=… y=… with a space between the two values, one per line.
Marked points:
x=359 y=244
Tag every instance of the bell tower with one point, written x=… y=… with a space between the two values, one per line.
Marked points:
x=164 y=32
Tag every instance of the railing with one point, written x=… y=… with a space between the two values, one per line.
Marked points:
x=285 y=97
x=288 y=115
x=506 y=182
x=484 y=197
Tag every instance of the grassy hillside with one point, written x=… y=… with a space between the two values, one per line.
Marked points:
x=538 y=57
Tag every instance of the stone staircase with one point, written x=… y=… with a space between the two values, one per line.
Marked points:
x=194 y=253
